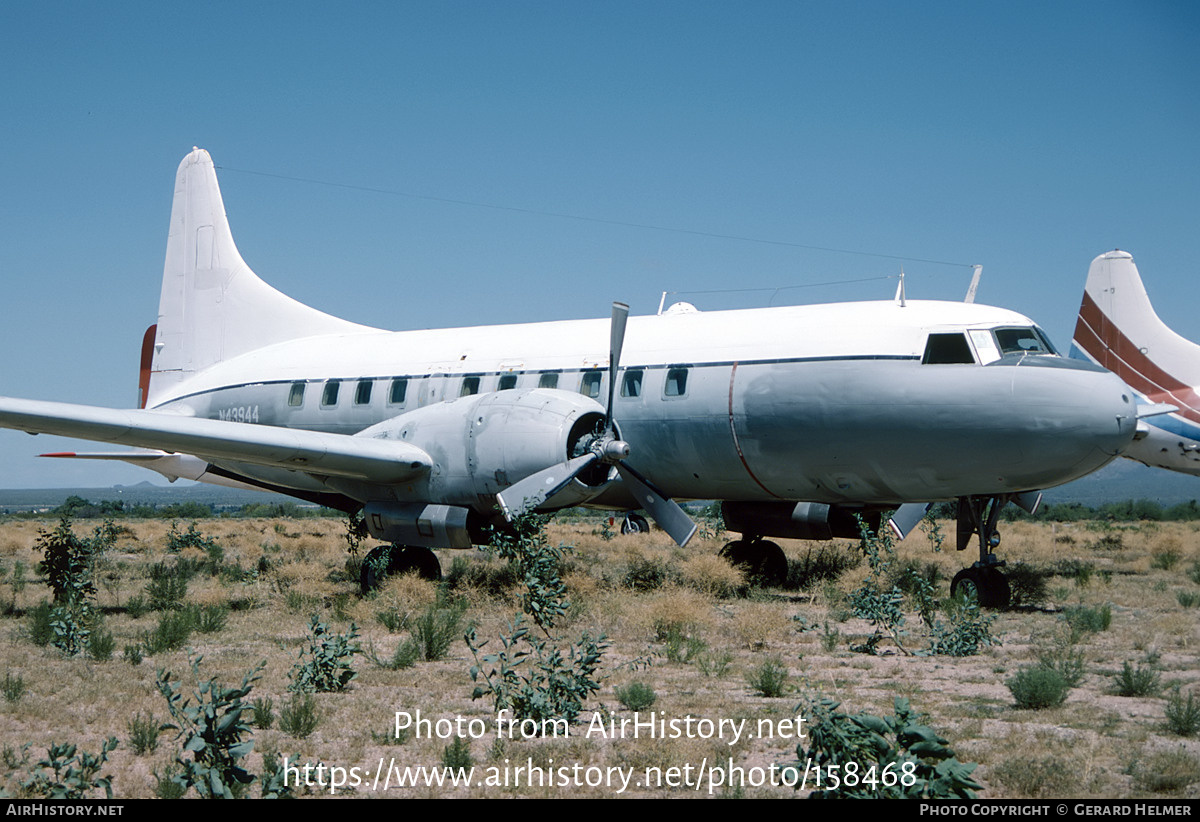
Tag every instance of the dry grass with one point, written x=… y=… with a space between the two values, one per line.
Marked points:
x=689 y=615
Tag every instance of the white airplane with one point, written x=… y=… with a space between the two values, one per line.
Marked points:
x=1119 y=329
x=800 y=420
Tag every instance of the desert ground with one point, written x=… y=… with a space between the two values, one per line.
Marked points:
x=1112 y=606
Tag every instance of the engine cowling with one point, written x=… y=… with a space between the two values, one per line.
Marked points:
x=483 y=443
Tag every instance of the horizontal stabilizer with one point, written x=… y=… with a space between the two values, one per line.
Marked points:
x=1155 y=410
x=311 y=452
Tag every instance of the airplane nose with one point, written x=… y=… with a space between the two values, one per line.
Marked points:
x=1089 y=413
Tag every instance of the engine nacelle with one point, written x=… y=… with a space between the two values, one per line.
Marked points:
x=483 y=443
x=797 y=520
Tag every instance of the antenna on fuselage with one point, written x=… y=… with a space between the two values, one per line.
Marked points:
x=900 y=290
x=970 y=298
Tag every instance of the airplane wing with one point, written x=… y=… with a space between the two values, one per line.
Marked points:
x=312 y=452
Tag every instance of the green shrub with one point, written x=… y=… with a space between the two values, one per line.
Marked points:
x=530 y=675
x=13 y=687
x=1026 y=584
x=171 y=632
x=1137 y=681
x=167 y=586
x=436 y=629
x=1183 y=715
x=714 y=663
x=1044 y=776
x=299 y=717
x=1085 y=619
x=1066 y=660
x=769 y=679
x=143 y=733
x=1165 y=560
x=1188 y=599
x=40 y=617
x=824 y=563
x=647 y=573
x=1167 y=771
x=69 y=561
x=830 y=637
x=133 y=654
x=67 y=773
x=264 y=713
x=681 y=646
x=136 y=606
x=167 y=784
x=457 y=755
x=895 y=757
x=211 y=619
x=636 y=696
x=330 y=660
x=1037 y=687
x=100 y=644
x=213 y=731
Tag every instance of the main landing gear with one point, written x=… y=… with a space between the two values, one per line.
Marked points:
x=385 y=560
x=762 y=561
x=635 y=524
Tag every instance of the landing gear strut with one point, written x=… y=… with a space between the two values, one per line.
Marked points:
x=978 y=515
x=762 y=561
x=385 y=560
x=635 y=524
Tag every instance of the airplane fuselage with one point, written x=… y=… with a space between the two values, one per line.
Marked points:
x=828 y=403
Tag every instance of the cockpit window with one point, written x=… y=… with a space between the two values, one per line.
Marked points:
x=947 y=349
x=1023 y=341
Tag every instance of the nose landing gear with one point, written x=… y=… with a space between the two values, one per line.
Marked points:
x=978 y=516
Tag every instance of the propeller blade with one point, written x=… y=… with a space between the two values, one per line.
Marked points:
x=527 y=494
x=616 y=340
x=907 y=517
x=666 y=512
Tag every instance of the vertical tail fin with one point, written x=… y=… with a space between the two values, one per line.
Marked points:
x=1118 y=328
x=213 y=307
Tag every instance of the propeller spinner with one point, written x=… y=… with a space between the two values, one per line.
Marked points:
x=533 y=491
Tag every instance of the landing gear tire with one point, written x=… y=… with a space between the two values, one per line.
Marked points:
x=761 y=561
x=386 y=560
x=989 y=585
x=635 y=524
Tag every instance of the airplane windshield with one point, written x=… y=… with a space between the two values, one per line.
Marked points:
x=1023 y=341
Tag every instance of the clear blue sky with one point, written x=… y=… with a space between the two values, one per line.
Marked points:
x=1027 y=137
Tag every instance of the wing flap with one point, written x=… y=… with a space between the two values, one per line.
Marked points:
x=312 y=452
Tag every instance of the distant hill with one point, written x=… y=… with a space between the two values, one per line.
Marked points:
x=144 y=493
x=1121 y=480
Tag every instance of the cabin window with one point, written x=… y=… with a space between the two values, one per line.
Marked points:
x=470 y=385
x=947 y=349
x=677 y=379
x=1022 y=341
x=362 y=393
x=507 y=381
x=589 y=386
x=398 y=391
x=549 y=380
x=329 y=396
x=296 y=395
x=631 y=384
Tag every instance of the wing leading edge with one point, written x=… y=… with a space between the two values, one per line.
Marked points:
x=311 y=452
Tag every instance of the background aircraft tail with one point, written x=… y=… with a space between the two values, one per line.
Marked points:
x=1118 y=328
x=213 y=307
